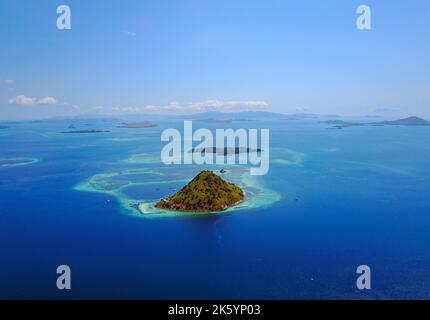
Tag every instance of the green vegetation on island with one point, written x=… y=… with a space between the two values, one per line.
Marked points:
x=206 y=192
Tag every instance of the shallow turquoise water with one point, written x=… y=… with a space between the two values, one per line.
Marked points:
x=334 y=199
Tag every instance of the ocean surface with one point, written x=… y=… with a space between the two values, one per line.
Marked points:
x=332 y=200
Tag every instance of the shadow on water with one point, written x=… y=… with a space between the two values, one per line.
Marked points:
x=206 y=229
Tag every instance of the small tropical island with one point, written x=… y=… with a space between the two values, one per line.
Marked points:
x=207 y=192
x=87 y=131
x=132 y=125
x=224 y=151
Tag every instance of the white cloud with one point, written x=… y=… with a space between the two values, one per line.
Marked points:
x=9 y=81
x=23 y=100
x=47 y=101
x=30 y=101
x=130 y=33
x=176 y=107
x=226 y=105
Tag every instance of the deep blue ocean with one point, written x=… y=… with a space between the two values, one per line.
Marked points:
x=350 y=197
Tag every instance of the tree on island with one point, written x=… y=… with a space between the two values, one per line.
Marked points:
x=206 y=192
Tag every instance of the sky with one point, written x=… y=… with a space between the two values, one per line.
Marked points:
x=180 y=57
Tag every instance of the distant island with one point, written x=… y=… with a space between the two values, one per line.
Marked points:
x=207 y=192
x=145 y=124
x=215 y=116
x=223 y=120
x=87 y=131
x=343 y=123
x=224 y=151
x=410 y=121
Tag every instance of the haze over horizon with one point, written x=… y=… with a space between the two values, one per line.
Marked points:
x=186 y=57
